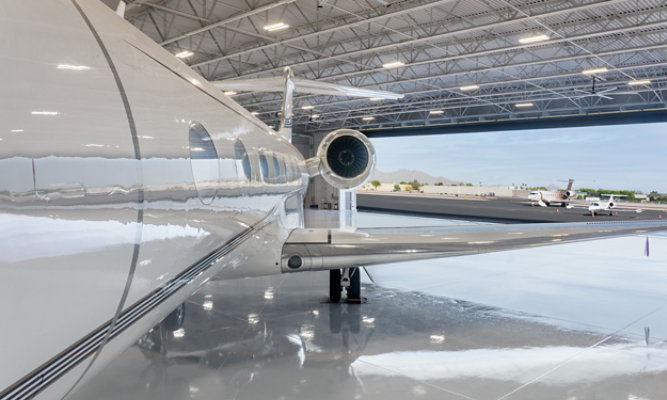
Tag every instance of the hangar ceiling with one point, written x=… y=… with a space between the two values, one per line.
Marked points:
x=455 y=61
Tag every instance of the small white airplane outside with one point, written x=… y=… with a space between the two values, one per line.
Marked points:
x=609 y=206
x=127 y=181
x=545 y=198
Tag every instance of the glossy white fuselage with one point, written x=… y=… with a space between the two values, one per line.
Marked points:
x=545 y=197
x=99 y=205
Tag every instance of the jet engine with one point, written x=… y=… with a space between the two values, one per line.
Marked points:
x=569 y=194
x=345 y=159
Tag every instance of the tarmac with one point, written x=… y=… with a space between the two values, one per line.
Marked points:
x=495 y=209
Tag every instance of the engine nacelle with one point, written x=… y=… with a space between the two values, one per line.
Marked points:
x=345 y=159
x=568 y=194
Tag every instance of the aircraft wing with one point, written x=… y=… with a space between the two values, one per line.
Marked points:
x=322 y=249
x=276 y=84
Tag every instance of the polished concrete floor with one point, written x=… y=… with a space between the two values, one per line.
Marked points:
x=479 y=332
x=278 y=338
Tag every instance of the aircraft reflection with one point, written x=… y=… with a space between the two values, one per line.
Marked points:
x=261 y=338
x=261 y=359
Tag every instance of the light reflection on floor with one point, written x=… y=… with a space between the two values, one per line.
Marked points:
x=278 y=338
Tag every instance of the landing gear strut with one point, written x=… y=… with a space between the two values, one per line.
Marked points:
x=348 y=278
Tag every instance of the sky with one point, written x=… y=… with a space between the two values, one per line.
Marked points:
x=622 y=157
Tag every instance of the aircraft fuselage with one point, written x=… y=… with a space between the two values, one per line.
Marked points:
x=126 y=181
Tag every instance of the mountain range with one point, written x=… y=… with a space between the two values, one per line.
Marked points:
x=405 y=175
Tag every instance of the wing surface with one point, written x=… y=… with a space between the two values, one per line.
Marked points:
x=276 y=84
x=321 y=249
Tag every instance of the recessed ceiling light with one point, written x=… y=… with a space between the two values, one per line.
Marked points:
x=523 y=105
x=639 y=82
x=73 y=67
x=230 y=93
x=184 y=54
x=469 y=88
x=308 y=107
x=436 y=112
x=594 y=71
x=276 y=27
x=533 y=39
x=393 y=64
x=368 y=118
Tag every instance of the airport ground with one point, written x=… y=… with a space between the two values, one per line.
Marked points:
x=497 y=209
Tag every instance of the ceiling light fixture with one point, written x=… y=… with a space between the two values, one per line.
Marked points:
x=230 y=93
x=184 y=54
x=368 y=118
x=276 y=27
x=314 y=116
x=436 y=112
x=308 y=107
x=375 y=98
x=638 y=82
x=594 y=71
x=393 y=64
x=469 y=88
x=254 y=113
x=523 y=105
x=45 y=113
x=534 y=39
x=73 y=67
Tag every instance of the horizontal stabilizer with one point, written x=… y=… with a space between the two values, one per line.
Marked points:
x=276 y=84
x=321 y=249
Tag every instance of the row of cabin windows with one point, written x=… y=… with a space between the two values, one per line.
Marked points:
x=275 y=169
x=233 y=162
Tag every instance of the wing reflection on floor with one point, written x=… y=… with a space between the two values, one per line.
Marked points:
x=278 y=338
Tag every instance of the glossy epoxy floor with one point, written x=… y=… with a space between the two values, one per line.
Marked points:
x=278 y=338
x=562 y=322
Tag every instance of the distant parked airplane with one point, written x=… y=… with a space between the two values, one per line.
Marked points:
x=607 y=206
x=544 y=198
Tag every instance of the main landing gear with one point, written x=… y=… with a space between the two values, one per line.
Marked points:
x=348 y=279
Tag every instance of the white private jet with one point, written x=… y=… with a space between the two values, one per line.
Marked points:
x=609 y=206
x=544 y=198
x=127 y=181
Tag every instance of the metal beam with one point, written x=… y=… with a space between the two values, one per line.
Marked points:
x=236 y=17
x=393 y=46
x=561 y=121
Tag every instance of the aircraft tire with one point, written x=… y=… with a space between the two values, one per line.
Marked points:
x=334 y=286
x=354 y=291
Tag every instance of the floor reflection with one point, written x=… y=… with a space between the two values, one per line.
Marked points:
x=278 y=338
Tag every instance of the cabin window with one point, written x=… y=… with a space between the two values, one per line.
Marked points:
x=276 y=169
x=204 y=162
x=264 y=167
x=242 y=159
x=283 y=172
